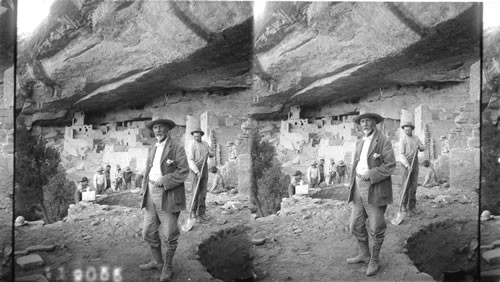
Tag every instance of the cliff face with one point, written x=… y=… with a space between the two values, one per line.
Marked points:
x=312 y=54
x=95 y=56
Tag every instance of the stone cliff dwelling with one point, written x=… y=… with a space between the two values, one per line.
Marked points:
x=297 y=73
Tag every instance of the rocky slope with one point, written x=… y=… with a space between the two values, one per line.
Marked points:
x=308 y=241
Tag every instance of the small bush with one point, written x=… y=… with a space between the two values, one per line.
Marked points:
x=273 y=186
x=271 y=183
x=39 y=181
x=490 y=152
x=58 y=195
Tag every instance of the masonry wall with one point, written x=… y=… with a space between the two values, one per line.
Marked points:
x=7 y=140
x=444 y=120
x=465 y=139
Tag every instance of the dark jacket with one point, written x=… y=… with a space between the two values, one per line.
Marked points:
x=173 y=176
x=381 y=169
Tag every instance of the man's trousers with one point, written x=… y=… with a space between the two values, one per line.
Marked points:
x=410 y=199
x=363 y=211
x=159 y=223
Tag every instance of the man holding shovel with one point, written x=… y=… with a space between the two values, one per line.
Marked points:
x=409 y=147
x=370 y=190
x=198 y=154
x=164 y=196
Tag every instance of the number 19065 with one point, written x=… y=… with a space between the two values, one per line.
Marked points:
x=89 y=274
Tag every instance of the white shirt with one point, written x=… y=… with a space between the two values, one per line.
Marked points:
x=362 y=166
x=196 y=154
x=155 y=172
x=312 y=172
x=99 y=179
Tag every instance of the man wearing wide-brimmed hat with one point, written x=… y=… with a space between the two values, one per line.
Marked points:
x=100 y=181
x=341 y=171
x=164 y=196
x=370 y=190
x=313 y=174
x=332 y=172
x=409 y=146
x=128 y=175
x=197 y=154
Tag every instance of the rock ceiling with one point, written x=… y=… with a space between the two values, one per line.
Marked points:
x=95 y=56
x=316 y=53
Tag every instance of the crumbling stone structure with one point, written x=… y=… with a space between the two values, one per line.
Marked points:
x=7 y=140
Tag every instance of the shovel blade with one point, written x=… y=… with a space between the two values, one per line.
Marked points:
x=188 y=225
x=399 y=218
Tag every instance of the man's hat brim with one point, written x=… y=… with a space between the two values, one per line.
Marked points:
x=374 y=116
x=410 y=125
x=198 y=130
x=169 y=123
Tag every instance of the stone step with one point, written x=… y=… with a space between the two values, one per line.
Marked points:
x=8 y=148
x=32 y=278
x=21 y=253
x=29 y=262
x=487 y=247
x=493 y=273
x=41 y=248
x=492 y=256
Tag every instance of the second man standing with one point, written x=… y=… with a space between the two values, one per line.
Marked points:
x=198 y=153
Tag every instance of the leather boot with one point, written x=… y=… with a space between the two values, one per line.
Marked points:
x=156 y=261
x=373 y=266
x=364 y=253
x=167 y=270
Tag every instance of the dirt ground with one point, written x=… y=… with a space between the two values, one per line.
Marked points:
x=307 y=241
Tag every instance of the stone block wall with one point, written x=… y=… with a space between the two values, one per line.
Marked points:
x=229 y=172
x=464 y=140
x=244 y=167
x=224 y=135
x=464 y=168
x=7 y=140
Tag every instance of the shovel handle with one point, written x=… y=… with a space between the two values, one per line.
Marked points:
x=405 y=187
x=195 y=194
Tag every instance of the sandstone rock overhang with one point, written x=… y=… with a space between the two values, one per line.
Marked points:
x=95 y=56
x=317 y=53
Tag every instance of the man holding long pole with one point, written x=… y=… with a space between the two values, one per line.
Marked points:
x=409 y=147
x=198 y=153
